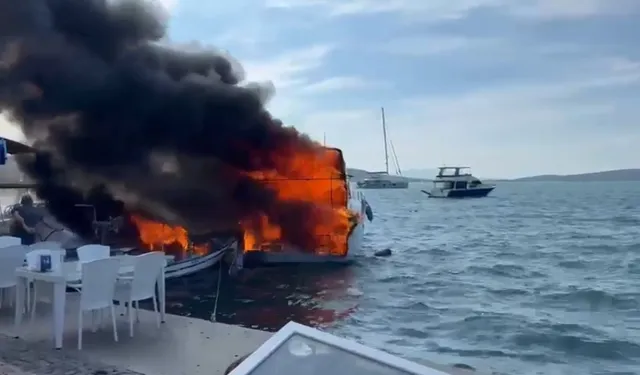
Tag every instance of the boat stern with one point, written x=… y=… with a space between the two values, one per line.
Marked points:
x=279 y=254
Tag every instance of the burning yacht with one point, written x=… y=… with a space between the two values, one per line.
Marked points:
x=338 y=226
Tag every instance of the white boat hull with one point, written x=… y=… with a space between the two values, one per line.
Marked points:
x=383 y=184
x=475 y=192
x=196 y=264
x=291 y=257
x=180 y=268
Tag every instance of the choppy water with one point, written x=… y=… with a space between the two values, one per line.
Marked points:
x=540 y=278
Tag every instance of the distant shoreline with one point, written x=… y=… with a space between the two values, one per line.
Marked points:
x=618 y=175
x=10 y=174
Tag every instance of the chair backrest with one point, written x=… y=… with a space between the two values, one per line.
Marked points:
x=11 y=258
x=146 y=269
x=15 y=250
x=50 y=245
x=6 y=241
x=89 y=253
x=99 y=283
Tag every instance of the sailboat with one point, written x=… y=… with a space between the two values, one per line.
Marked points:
x=383 y=180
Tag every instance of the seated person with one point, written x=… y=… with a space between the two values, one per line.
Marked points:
x=25 y=218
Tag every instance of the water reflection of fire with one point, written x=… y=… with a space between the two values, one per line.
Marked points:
x=269 y=298
x=314 y=178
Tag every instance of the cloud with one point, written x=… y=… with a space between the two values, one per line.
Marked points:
x=558 y=9
x=503 y=131
x=456 y=9
x=168 y=4
x=298 y=75
x=425 y=45
x=288 y=69
x=440 y=9
x=340 y=83
x=511 y=87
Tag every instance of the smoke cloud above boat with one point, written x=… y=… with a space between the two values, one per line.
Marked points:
x=120 y=116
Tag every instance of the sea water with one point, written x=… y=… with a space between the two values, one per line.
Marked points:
x=537 y=278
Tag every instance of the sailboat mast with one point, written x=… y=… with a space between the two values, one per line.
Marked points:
x=384 y=134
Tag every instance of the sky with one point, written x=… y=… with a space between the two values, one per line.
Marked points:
x=508 y=87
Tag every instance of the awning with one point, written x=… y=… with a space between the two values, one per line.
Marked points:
x=14 y=147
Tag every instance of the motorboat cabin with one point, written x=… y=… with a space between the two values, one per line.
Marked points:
x=457 y=182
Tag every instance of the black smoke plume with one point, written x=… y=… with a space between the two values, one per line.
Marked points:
x=118 y=116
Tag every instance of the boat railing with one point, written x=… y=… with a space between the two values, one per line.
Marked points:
x=102 y=228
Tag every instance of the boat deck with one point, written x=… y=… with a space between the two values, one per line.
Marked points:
x=181 y=345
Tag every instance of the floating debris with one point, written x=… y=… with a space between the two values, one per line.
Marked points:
x=383 y=253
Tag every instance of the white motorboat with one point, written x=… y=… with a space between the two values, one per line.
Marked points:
x=458 y=182
x=383 y=180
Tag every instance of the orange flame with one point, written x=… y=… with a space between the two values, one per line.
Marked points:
x=162 y=237
x=315 y=177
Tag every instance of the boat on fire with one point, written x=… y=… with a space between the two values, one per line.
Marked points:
x=325 y=179
x=191 y=260
x=185 y=260
x=329 y=181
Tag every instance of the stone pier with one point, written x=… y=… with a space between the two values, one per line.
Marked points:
x=17 y=357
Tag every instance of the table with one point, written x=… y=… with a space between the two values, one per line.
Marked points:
x=69 y=273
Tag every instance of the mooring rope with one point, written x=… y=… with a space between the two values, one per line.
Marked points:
x=214 y=315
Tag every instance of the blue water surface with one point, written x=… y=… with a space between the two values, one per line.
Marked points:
x=538 y=278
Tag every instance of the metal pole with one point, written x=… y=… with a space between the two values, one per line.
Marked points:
x=384 y=134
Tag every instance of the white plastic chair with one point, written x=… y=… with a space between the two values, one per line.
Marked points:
x=17 y=250
x=11 y=258
x=44 y=289
x=50 y=245
x=97 y=290
x=141 y=285
x=89 y=253
x=6 y=241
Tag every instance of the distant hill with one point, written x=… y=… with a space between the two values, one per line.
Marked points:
x=422 y=173
x=360 y=174
x=10 y=173
x=615 y=175
x=357 y=174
